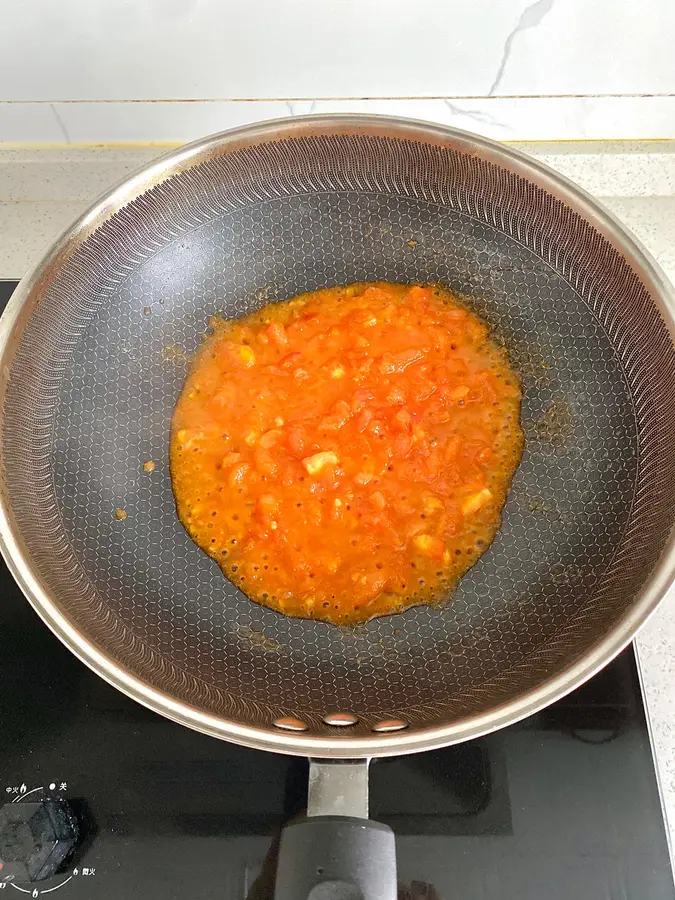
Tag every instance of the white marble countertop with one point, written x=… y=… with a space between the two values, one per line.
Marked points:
x=43 y=190
x=175 y=69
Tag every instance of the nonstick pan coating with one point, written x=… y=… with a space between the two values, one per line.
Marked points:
x=94 y=355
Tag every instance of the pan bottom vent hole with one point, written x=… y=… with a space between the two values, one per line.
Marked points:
x=290 y=723
x=388 y=725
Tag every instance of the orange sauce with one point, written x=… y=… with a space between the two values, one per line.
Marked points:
x=346 y=454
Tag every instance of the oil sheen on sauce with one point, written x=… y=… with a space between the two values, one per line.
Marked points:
x=347 y=453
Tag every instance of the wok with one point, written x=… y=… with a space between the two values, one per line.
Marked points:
x=92 y=357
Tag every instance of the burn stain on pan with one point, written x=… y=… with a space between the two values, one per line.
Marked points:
x=254 y=639
x=556 y=427
x=174 y=353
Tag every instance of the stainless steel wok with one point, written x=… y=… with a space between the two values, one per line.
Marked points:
x=92 y=356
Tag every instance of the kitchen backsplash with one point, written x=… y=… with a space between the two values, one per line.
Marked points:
x=170 y=70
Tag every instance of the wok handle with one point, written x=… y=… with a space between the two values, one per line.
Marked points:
x=337 y=853
x=336 y=858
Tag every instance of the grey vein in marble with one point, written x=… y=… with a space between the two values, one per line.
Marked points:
x=530 y=17
x=300 y=107
x=60 y=122
x=476 y=114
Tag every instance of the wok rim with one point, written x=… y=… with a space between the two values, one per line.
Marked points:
x=342 y=745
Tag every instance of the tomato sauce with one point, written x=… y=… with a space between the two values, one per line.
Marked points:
x=347 y=453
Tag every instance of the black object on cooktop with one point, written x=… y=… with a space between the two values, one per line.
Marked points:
x=105 y=800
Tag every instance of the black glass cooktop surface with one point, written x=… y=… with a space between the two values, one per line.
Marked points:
x=563 y=806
